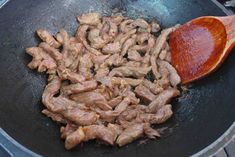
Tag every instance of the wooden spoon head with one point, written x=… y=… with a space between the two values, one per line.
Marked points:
x=197 y=48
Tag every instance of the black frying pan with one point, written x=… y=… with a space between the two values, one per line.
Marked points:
x=201 y=116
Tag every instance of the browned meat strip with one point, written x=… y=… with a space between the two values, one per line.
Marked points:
x=157 y=49
x=48 y=38
x=130 y=134
x=153 y=87
x=41 y=60
x=115 y=101
x=124 y=71
x=99 y=132
x=68 y=129
x=163 y=114
x=144 y=93
x=163 y=98
x=89 y=19
x=80 y=87
x=174 y=77
x=150 y=132
x=80 y=117
x=54 y=116
x=50 y=90
x=92 y=98
x=112 y=48
x=121 y=107
x=128 y=43
x=116 y=129
x=95 y=39
x=98 y=85
x=81 y=37
x=85 y=66
x=74 y=138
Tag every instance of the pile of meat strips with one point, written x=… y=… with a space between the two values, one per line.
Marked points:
x=111 y=82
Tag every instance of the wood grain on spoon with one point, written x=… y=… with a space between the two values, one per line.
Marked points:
x=201 y=45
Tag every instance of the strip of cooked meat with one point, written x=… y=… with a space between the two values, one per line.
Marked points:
x=55 y=116
x=68 y=129
x=130 y=134
x=158 y=47
x=89 y=19
x=153 y=87
x=92 y=98
x=144 y=93
x=74 y=138
x=115 y=101
x=50 y=90
x=162 y=99
x=174 y=77
x=112 y=48
x=81 y=37
x=116 y=129
x=85 y=66
x=99 y=80
x=48 y=38
x=80 y=87
x=41 y=60
x=121 y=107
x=99 y=132
x=80 y=117
x=150 y=132
x=163 y=114
x=125 y=71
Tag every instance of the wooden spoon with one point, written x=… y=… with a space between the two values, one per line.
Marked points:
x=201 y=45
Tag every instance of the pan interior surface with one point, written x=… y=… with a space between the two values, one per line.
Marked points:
x=201 y=116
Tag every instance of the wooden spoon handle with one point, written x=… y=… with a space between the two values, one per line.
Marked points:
x=229 y=23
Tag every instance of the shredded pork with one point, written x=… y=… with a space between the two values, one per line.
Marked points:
x=112 y=81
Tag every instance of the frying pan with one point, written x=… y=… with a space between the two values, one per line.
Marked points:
x=201 y=115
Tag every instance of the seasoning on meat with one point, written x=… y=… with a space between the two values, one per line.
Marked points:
x=112 y=81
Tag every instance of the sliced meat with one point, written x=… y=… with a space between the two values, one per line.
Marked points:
x=92 y=98
x=150 y=132
x=74 y=138
x=54 y=53
x=48 y=38
x=134 y=55
x=112 y=48
x=95 y=39
x=174 y=77
x=41 y=60
x=128 y=43
x=101 y=73
x=144 y=93
x=130 y=134
x=85 y=66
x=55 y=116
x=153 y=87
x=50 y=90
x=80 y=87
x=89 y=19
x=157 y=49
x=81 y=37
x=124 y=71
x=67 y=130
x=99 y=132
x=162 y=99
x=80 y=117
x=116 y=129
x=163 y=114
x=115 y=101
x=121 y=107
